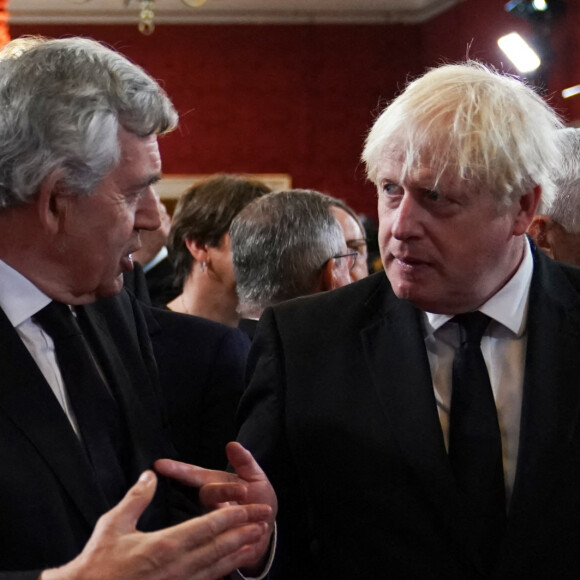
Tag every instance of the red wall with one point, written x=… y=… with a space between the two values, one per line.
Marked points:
x=479 y=23
x=300 y=99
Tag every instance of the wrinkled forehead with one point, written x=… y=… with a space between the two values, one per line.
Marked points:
x=410 y=140
x=428 y=157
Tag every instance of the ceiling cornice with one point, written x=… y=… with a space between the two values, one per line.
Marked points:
x=91 y=14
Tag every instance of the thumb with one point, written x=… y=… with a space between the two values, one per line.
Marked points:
x=124 y=516
x=243 y=462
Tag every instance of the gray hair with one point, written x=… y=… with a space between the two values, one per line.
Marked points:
x=63 y=102
x=473 y=124
x=279 y=243
x=565 y=207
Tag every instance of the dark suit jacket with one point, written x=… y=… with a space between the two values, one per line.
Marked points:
x=160 y=283
x=154 y=287
x=248 y=326
x=341 y=414
x=201 y=366
x=49 y=501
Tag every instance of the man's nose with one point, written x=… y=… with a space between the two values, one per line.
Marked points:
x=406 y=219
x=147 y=216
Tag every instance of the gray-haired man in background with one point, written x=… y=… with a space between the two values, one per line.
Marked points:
x=556 y=227
x=285 y=245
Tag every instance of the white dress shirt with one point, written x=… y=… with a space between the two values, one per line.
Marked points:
x=504 y=349
x=161 y=255
x=21 y=299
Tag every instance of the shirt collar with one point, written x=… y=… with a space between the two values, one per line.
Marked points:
x=19 y=297
x=161 y=255
x=508 y=306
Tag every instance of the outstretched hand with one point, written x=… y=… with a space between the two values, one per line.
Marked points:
x=219 y=489
x=203 y=548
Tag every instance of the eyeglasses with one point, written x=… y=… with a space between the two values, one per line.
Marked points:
x=351 y=257
x=358 y=245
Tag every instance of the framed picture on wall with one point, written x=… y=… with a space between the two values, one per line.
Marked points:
x=173 y=186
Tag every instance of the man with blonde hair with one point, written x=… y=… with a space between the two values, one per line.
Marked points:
x=424 y=423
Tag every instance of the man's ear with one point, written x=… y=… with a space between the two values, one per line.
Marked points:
x=326 y=276
x=331 y=275
x=539 y=230
x=528 y=204
x=52 y=202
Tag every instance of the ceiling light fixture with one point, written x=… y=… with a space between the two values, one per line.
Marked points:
x=571 y=91
x=146 y=13
x=519 y=52
x=536 y=9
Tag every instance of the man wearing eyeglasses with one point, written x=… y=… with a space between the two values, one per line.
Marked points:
x=355 y=235
x=285 y=245
x=424 y=424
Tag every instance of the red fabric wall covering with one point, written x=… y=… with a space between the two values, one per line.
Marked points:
x=480 y=23
x=300 y=99
x=276 y=99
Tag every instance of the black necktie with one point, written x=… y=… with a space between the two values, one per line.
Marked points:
x=475 y=449
x=95 y=409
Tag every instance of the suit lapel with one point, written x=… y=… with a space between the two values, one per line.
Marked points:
x=28 y=401
x=395 y=353
x=551 y=398
x=397 y=359
x=130 y=378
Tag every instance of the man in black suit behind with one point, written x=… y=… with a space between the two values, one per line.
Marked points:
x=154 y=258
x=351 y=408
x=78 y=159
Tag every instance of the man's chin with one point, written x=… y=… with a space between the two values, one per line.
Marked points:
x=110 y=288
x=416 y=296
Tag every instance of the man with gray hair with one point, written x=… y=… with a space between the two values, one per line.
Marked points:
x=284 y=245
x=556 y=227
x=424 y=422
x=82 y=420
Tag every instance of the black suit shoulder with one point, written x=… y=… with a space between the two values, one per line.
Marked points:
x=357 y=301
x=572 y=273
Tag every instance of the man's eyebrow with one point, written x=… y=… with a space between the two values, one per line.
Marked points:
x=147 y=181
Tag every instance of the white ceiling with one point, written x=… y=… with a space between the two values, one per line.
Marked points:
x=229 y=11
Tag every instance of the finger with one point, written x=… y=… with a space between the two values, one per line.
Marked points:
x=213 y=494
x=234 y=549
x=204 y=529
x=243 y=462
x=124 y=516
x=191 y=475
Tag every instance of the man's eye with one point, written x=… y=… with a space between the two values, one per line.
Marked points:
x=390 y=188
x=433 y=195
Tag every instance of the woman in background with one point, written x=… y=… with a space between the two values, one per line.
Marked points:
x=199 y=246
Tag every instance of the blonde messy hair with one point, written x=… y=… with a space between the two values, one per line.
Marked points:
x=474 y=124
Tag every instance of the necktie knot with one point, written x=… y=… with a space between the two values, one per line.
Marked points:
x=57 y=320
x=472 y=326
